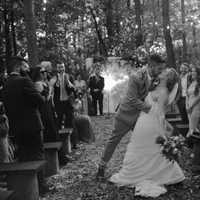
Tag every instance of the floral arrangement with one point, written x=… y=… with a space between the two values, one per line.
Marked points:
x=171 y=147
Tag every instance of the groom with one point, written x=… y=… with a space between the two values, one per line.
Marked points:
x=131 y=106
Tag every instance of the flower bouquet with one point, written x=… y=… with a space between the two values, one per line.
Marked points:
x=171 y=147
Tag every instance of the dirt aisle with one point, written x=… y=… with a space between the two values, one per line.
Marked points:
x=76 y=180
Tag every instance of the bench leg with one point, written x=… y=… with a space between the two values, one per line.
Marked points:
x=52 y=166
x=25 y=186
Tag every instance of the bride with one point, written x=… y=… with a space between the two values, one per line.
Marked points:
x=144 y=166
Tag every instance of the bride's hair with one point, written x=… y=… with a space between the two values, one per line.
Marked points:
x=172 y=79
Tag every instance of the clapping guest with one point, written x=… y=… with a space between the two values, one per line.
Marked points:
x=63 y=94
x=182 y=100
x=81 y=91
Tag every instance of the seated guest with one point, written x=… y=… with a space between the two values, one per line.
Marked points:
x=83 y=124
x=22 y=102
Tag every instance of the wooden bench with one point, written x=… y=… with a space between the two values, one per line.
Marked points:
x=174 y=121
x=51 y=156
x=6 y=195
x=172 y=115
x=22 y=178
x=65 y=135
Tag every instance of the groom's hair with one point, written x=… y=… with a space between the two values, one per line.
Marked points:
x=156 y=58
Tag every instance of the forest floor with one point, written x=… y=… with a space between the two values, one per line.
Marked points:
x=76 y=180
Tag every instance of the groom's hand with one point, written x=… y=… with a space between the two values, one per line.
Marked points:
x=147 y=108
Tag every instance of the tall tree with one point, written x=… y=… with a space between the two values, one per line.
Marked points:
x=168 y=39
x=31 y=32
x=138 y=13
x=184 y=52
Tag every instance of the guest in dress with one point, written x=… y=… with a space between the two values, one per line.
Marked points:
x=39 y=76
x=81 y=91
x=181 y=103
x=193 y=109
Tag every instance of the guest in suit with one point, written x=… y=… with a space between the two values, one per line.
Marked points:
x=131 y=106
x=181 y=103
x=96 y=85
x=22 y=102
x=63 y=96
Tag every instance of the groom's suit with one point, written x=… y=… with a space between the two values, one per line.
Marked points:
x=129 y=110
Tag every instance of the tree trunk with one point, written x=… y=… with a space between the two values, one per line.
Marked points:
x=7 y=33
x=168 y=40
x=102 y=46
x=31 y=32
x=13 y=33
x=109 y=21
x=155 y=23
x=138 y=13
x=184 y=51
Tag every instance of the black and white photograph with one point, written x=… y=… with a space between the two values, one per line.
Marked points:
x=99 y=100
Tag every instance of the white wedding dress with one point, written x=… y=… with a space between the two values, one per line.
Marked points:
x=144 y=167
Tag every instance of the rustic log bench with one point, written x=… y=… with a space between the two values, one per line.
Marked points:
x=65 y=135
x=6 y=194
x=51 y=156
x=22 y=178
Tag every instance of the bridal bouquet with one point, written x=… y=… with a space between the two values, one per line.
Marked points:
x=171 y=147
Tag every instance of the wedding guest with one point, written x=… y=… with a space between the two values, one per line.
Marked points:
x=6 y=151
x=193 y=100
x=96 y=85
x=81 y=90
x=63 y=96
x=193 y=109
x=181 y=103
x=22 y=102
x=39 y=76
x=83 y=124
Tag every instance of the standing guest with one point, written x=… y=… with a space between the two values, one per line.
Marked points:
x=81 y=91
x=63 y=91
x=22 y=102
x=181 y=103
x=193 y=101
x=96 y=85
x=39 y=76
x=193 y=109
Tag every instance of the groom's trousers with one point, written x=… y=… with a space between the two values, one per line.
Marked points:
x=120 y=129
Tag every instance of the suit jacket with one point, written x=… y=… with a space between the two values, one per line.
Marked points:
x=68 y=87
x=22 y=100
x=96 y=84
x=133 y=102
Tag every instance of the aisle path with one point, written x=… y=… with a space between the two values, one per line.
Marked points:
x=76 y=180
